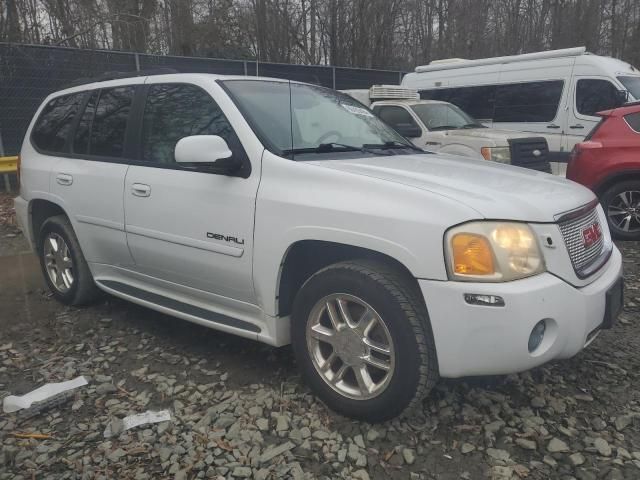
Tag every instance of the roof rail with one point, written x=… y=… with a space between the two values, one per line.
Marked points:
x=458 y=63
x=103 y=77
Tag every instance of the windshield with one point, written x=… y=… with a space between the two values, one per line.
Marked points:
x=444 y=116
x=631 y=83
x=299 y=118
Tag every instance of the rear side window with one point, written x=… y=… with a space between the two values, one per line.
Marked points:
x=83 y=130
x=395 y=116
x=54 y=124
x=528 y=102
x=110 y=122
x=593 y=96
x=476 y=101
x=175 y=111
x=633 y=119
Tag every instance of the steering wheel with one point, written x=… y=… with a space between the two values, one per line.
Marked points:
x=328 y=135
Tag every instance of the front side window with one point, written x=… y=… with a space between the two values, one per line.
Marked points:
x=175 y=111
x=110 y=122
x=54 y=124
x=395 y=116
x=528 y=102
x=444 y=116
x=594 y=95
x=632 y=84
x=292 y=118
x=633 y=120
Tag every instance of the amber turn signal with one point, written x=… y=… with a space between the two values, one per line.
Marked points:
x=472 y=254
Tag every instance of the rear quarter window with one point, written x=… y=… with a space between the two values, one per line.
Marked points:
x=633 y=120
x=54 y=123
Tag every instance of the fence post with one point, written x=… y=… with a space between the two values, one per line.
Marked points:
x=245 y=68
x=137 y=58
x=334 y=77
x=399 y=78
x=7 y=182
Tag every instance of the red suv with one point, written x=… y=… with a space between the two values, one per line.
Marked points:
x=608 y=162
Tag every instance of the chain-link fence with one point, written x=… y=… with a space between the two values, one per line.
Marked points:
x=28 y=73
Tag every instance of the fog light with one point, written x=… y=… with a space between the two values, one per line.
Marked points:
x=537 y=334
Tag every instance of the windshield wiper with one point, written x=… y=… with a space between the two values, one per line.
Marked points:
x=445 y=127
x=323 y=148
x=392 y=144
x=473 y=125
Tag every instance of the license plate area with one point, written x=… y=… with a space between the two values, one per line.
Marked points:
x=614 y=304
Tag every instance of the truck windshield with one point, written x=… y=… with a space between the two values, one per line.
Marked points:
x=631 y=83
x=444 y=116
x=295 y=118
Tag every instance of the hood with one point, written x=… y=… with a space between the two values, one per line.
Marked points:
x=499 y=136
x=495 y=191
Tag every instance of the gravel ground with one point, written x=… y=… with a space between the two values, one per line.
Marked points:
x=239 y=409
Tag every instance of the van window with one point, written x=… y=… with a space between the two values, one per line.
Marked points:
x=83 y=130
x=633 y=119
x=476 y=101
x=110 y=122
x=54 y=124
x=528 y=102
x=594 y=95
x=631 y=83
x=395 y=116
x=175 y=111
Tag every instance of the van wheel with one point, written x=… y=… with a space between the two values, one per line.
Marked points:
x=363 y=341
x=621 y=204
x=63 y=264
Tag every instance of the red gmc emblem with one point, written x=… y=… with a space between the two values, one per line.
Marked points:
x=591 y=234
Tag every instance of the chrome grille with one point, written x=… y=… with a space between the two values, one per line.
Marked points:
x=571 y=230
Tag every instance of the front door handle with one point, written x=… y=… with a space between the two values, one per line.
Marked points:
x=64 y=179
x=553 y=126
x=577 y=125
x=140 y=190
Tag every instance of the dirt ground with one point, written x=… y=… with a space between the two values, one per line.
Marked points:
x=239 y=409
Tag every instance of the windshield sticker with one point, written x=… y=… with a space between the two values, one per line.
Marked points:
x=357 y=110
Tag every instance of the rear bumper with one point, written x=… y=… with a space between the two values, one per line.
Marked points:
x=487 y=340
x=22 y=217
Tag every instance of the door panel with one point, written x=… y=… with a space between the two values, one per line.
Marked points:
x=185 y=225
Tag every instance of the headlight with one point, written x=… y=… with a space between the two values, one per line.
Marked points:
x=492 y=252
x=496 y=154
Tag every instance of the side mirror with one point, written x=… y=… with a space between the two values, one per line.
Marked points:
x=208 y=152
x=408 y=130
x=622 y=97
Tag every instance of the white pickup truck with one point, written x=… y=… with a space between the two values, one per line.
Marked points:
x=445 y=128
x=287 y=213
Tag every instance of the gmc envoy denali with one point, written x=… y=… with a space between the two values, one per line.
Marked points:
x=288 y=213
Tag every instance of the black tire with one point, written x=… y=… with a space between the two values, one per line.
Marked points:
x=83 y=289
x=610 y=196
x=400 y=305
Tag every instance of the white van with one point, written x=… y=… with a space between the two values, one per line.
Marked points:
x=554 y=94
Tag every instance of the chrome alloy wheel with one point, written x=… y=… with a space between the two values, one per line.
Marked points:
x=57 y=260
x=350 y=346
x=624 y=211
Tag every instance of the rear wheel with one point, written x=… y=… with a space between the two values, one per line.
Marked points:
x=621 y=204
x=363 y=341
x=63 y=264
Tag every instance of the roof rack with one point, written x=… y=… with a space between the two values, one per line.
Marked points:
x=449 y=64
x=103 y=77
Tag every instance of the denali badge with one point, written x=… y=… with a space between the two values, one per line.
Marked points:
x=226 y=238
x=591 y=234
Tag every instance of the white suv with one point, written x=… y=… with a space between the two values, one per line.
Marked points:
x=285 y=212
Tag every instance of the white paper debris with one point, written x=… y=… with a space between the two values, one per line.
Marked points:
x=14 y=403
x=117 y=426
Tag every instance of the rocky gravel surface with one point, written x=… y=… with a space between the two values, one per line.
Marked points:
x=238 y=408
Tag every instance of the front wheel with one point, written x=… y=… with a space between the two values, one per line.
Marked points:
x=362 y=339
x=621 y=204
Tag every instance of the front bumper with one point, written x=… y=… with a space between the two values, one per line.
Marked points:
x=489 y=340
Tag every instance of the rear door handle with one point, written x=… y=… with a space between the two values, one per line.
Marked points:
x=553 y=126
x=140 y=190
x=64 y=179
x=577 y=125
